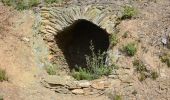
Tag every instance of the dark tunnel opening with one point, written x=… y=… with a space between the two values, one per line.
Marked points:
x=75 y=41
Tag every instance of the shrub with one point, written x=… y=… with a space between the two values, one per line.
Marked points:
x=95 y=67
x=130 y=49
x=154 y=75
x=7 y=2
x=52 y=1
x=3 y=76
x=117 y=97
x=142 y=76
x=26 y=4
x=1 y=97
x=128 y=12
x=51 y=70
x=144 y=73
x=82 y=74
x=165 y=58
x=113 y=40
x=140 y=67
x=125 y=35
x=21 y=4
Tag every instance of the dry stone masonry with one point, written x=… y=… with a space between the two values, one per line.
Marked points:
x=56 y=18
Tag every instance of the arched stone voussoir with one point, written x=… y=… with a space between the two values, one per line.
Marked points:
x=62 y=17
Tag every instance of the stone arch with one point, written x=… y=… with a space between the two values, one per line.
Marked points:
x=57 y=20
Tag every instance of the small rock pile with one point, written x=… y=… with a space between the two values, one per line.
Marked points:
x=67 y=85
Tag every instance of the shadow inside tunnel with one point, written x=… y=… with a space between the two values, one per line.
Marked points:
x=76 y=39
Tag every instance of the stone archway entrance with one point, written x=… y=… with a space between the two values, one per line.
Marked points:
x=71 y=28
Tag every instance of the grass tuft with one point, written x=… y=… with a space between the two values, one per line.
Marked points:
x=165 y=58
x=130 y=49
x=3 y=76
x=128 y=12
x=96 y=67
x=51 y=70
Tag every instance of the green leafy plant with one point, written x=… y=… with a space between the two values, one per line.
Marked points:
x=95 y=67
x=128 y=12
x=130 y=49
x=3 y=76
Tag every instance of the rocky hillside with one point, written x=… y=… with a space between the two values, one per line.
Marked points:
x=46 y=51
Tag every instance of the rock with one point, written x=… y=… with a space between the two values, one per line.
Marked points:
x=78 y=91
x=164 y=40
x=62 y=90
x=100 y=84
x=90 y=91
x=58 y=80
x=25 y=39
x=83 y=83
x=113 y=76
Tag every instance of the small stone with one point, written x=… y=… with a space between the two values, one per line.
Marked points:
x=87 y=91
x=78 y=91
x=84 y=83
x=90 y=91
x=164 y=41
x=98 y=85
x=25 y=39
x=113 y=76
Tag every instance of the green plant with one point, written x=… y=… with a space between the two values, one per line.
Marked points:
x=82 y=74
x=117 y=97
x=8 y=2
x=128 y=12
x=21 y=4
x=113 y=40
x=142 y=76
x=95 y=67
x=154 y=75
x=130 y=49
x=51 y=70
x=165 y=58
x=140 y=67
x=52 y=1
x=1 y=97
x=125 y=35
x=3 y=76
